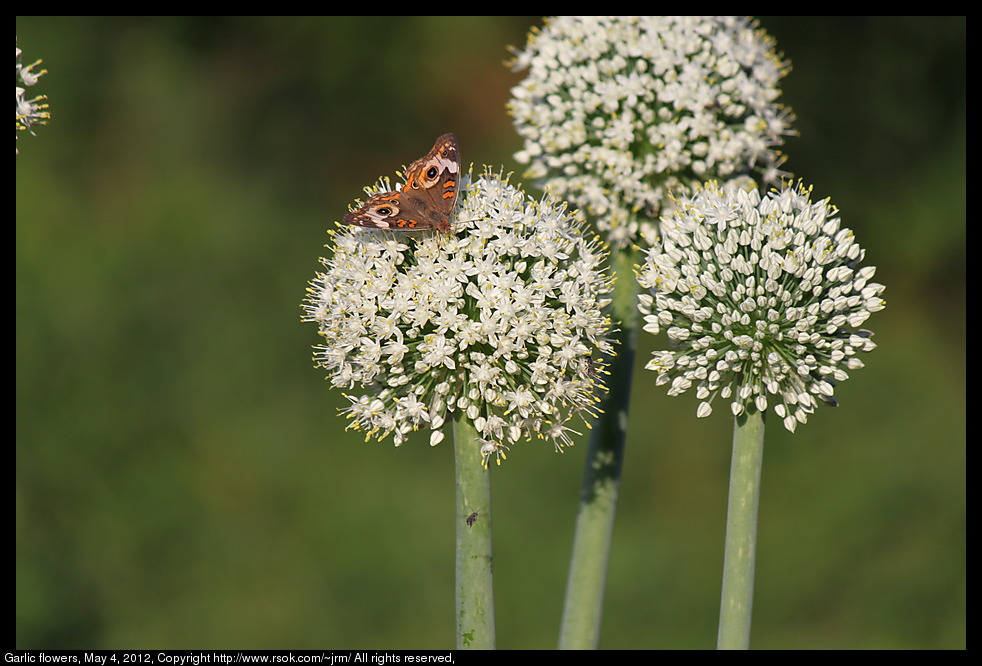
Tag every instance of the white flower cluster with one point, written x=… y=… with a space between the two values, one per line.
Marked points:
x=28 y=112
x=501 y=321
x=762 y=300
x=616 y=111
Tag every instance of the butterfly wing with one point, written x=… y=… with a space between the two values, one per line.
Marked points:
x=433 y=182
x=382 y=211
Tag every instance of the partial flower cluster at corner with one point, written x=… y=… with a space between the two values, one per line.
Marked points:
x=502 y=321
x=28 y=111
x=762 y=299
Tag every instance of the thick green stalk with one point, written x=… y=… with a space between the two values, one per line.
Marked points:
x=741 y=533
x=475 y=592
x=583 y=608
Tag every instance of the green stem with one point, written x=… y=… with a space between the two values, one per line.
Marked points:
x=741 y=533
x=475 y=592
x=583 y=608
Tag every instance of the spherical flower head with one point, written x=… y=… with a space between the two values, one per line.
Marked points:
x=501 y=321
x=33 y=111
x=762 y=300
x=617 y=111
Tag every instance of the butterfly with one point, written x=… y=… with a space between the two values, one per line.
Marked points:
x=425 y=201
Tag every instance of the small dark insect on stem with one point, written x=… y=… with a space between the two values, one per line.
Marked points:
x=471 y=519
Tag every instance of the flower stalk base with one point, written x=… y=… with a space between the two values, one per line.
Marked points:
x=741 y=533
x=475 y=592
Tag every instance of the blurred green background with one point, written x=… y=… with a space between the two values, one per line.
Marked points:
x=183 y=479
